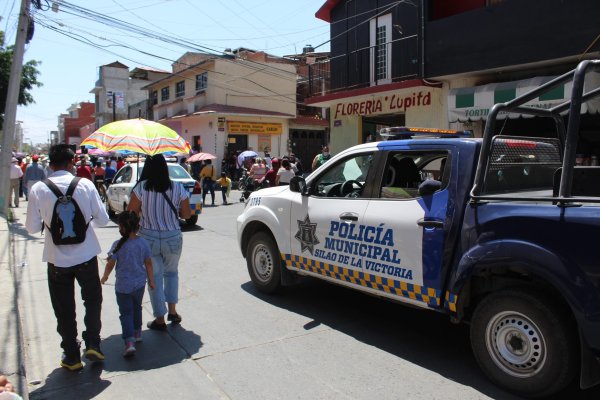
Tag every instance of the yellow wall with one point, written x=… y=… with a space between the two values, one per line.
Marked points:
x=349 y=133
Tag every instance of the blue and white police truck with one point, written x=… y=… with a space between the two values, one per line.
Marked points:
x=499 y=232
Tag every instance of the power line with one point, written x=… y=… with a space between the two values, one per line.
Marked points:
x=214 y=81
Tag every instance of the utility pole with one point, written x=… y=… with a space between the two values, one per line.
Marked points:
x=10 y=110
x=114 y=107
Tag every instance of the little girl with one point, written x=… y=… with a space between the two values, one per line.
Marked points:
x=131 y=254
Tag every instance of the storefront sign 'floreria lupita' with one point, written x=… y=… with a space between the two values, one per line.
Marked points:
x=390 y=103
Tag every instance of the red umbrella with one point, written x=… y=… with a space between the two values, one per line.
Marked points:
x=201 y=157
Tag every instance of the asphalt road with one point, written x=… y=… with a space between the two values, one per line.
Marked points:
x=313 y=341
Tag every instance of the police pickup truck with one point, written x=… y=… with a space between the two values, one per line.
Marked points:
x=499 y=232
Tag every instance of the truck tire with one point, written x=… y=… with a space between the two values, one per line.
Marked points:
x=264 y=262
x=524 y=342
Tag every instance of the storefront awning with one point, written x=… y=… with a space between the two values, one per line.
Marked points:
x=474 y=103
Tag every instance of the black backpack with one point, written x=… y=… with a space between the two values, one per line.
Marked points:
x=68 y=224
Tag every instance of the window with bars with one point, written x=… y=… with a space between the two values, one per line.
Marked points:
x=180 y=89
x=381 y=54
x=154 y=97
x=381 y=49
x=164 y=94
x=201 y=81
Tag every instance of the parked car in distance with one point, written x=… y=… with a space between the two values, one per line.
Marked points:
x=119 y=192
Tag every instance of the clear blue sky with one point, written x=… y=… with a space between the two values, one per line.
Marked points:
x=69 y=67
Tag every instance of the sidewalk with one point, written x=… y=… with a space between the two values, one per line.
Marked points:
x=31 y=352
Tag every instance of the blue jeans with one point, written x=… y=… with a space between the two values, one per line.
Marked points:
x=130 y=312
x=166 y=251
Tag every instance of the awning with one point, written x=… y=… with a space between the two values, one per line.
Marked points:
x=474 y=103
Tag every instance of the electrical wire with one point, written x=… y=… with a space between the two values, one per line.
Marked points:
x=363 y=22
x=263 y=23
x=6 y=33
x=121 y=25
x=225 y=84
x=170 y=39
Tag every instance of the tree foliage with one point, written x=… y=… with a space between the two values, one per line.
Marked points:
x=28 y=78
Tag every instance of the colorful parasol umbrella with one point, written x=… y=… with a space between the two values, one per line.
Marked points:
x=201 y=157
x=137 y=135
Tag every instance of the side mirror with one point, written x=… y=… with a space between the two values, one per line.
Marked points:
x=429 y=187
x=298 y=185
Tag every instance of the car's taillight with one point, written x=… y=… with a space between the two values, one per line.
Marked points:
x=197 y=188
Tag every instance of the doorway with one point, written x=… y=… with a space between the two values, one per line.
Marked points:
x=237 y=142
x=373 y=124
x=306 y=144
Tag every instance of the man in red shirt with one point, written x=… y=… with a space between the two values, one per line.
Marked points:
x=120 y=163
x=84 y=170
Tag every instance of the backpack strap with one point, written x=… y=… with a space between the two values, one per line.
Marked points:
x=72 y=186
x=52 y=186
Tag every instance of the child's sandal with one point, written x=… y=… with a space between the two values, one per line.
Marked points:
x=174 y=318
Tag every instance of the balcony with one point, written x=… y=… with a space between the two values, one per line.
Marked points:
x=317 y=82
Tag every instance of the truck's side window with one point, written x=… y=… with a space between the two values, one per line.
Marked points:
x=346 y=178
x=405 y=171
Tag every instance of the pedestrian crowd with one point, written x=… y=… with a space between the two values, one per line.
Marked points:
x=63 y=199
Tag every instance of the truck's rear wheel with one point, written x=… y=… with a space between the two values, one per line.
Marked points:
x=264 y=262
x=524 y=343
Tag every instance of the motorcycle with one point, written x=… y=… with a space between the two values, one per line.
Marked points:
x=248 y=185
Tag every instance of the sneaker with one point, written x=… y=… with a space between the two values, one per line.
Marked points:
x=71 y=362
x=129 y=349
x=137 y=335
x=94 y=354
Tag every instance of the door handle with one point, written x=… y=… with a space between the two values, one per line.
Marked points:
x=349 y=216
x=430 y=224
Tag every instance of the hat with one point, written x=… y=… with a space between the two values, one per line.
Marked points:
x=14 y=160
x=35 y=157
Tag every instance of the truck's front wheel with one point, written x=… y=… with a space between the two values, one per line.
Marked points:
x=264 y=262
x=524 y=342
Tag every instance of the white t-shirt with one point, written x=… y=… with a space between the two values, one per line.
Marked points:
x=40 y=209
x=285 y=175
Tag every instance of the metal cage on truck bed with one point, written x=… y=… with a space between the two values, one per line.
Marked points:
x=569 y=183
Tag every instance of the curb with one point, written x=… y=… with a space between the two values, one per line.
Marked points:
x=12 y=355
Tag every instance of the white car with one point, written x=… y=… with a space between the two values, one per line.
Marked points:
x=119 y=192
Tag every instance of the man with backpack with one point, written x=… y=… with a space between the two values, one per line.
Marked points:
x=65 y=206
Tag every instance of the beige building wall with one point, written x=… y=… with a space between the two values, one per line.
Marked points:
x=265 y=86
x=239 y=83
